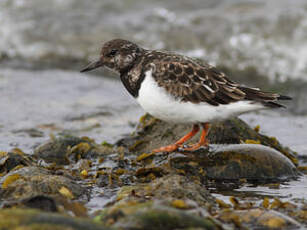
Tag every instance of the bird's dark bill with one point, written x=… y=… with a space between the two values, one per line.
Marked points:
x=91 y=66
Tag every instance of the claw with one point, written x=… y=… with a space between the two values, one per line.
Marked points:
x=202 y=141
x=169 y=148
x=195 y=147
x=179 y=144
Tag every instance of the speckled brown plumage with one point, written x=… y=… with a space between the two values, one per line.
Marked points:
x=190 y=80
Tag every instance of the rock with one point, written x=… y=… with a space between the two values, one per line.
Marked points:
x=56 y=150
x=161 y=217
x=12 y=219
x=258 y=219
x=264 y=160
x=168 y=188
x=170 y=202
x=40 y=202
x=32 y=132
x=10 y=160
x=70 y=149
x=29 y=182
x=253 y=162
x=153 y=133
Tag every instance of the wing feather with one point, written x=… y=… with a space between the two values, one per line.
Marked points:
x=190 y=80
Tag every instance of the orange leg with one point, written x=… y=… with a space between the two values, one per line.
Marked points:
x=202 y=141
x=179 y=143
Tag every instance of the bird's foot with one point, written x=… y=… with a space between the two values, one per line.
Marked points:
x=196 y=146
x=168 y=149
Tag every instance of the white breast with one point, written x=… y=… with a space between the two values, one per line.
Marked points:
x=156 y=101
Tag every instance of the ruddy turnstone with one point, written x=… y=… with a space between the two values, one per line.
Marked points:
x=179 y=89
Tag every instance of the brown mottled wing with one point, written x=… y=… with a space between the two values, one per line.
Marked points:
x=189 y=81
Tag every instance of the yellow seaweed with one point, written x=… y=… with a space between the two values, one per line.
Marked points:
x=181 y=204
x=66 y=192
x=84 y=173
x=249 y=141
x=81 y=148
x=10 y=179
x=144 y=156
x=222 y=204
x=274 y=222
x=266 y=202
x=257 y=128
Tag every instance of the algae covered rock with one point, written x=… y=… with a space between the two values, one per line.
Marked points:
x=242 y=161
x=263 y=160
x=161 y=217
x=153 y=133
x=168 y=188
x=13 y=219
x=258 y=219
x=10 y=160
x=41 y=202
x=65 y=150
x=56 y=150
x=32 y=181
x=170 y=202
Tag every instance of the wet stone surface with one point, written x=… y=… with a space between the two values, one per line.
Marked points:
x=28 y=181
x=34 y=219
x=252 y=162
x=263 y=160
x=153 y=133
x=10 y=160
x=259 y=219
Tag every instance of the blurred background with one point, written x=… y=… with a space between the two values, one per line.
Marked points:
x=44 y=43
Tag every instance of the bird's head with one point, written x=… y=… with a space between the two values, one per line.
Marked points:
x=118 y=55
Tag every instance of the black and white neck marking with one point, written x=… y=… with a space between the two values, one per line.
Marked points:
x=133 y=77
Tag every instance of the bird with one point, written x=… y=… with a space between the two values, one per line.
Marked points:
x=178 y=89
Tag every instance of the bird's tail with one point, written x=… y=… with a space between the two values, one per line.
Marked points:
x=266 y=98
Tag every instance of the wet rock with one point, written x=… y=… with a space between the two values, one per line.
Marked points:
x=256 y=163
x=10 y=160
x=170 y=202
x=56 y=150
x=31 y=132
x=169 y=187
x=258 y=219
x=12 y=219
x=153 y=133
x=66 y=149
x=29 y=182
x=40 y=202
x=161 y=217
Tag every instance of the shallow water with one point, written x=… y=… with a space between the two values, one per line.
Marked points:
x=35 y=104
x=292 y=191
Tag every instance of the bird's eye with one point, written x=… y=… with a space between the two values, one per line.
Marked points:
x=112 y=52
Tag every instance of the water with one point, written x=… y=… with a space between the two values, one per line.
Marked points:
x=35 y=104
x=292 y=191
x=270 y=35
x=288 y=129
